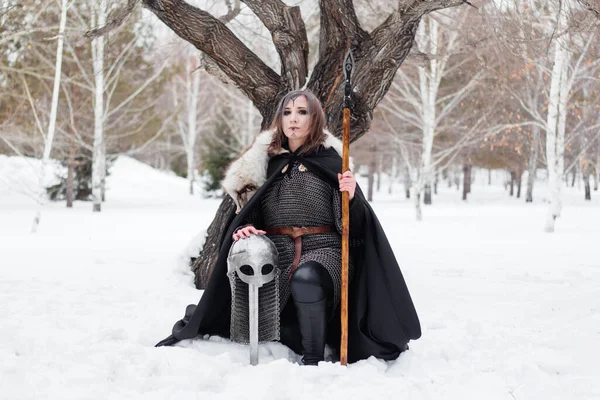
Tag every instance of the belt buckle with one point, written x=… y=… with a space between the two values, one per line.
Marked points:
x=295 y=230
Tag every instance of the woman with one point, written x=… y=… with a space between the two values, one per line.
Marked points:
x=291 y=178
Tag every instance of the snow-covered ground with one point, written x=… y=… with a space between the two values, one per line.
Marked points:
x=508 y=312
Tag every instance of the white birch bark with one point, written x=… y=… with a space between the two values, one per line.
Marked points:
x=99 y=153
x=407 y=182
x=393 y=174
x=532 y=89
x=424 y=97
x=556 y=123
x=188 y=85
x=429 y=82
x=193 y=90
x=426 y=37
x=532 y=165
x=49 y=139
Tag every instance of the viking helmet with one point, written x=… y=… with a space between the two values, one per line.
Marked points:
x=253 y=272
x=254 y=260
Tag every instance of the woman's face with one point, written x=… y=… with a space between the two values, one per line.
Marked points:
x=296 y=120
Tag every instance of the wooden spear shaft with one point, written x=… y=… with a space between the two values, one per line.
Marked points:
x=348 y=66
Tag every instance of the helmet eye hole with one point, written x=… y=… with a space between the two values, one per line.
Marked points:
x=266 y=269
x=247 y=270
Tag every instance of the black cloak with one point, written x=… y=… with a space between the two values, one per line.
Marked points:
x=381 y=316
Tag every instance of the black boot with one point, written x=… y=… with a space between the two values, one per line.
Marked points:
x=312 y=291
x=312 y=318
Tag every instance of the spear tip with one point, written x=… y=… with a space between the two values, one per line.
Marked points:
x=348 y=64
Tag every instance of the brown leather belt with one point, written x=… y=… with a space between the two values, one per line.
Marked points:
x=296 y=233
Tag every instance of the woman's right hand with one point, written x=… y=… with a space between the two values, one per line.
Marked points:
x=246 y=231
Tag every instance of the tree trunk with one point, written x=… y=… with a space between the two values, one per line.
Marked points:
x=416 y=195
x=512 y=183
x=471 y=179
x=532 y=166
x=466 y=180
x=393 y=174
x=193 y=91
x=489 y=177
x=556 y=122
x=42 y=195
x=191 y=176
x=573 y=177
x=103 y=186
x=586 y=182
x=98 y=155
x=168 y=155
x=379 y=162
x=407 y=182
x=429 y=80
x=457 y=179
x=427 y=194
x=519 y=175
x=435 y=182
x=202 y=266
x=70 y=173
x=372 y=167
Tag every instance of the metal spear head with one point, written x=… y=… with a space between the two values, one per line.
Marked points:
x=348 y=68
x=348 y=65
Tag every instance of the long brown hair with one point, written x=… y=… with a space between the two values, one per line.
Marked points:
x=316 y=136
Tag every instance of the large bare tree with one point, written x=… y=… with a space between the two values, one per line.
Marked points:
x=378 y=55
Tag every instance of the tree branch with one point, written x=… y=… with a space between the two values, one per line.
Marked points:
x=259 y=82
x=289 y=37
x=211 y=36
x=340 y=28
x=233 y=11
x=592 y=5
x=422 y=7
x=115 y=20
x=377 y=57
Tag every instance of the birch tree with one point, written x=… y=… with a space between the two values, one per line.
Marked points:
x=131 y=120
x=107 y=83
x=190 y=143
x=244 y=118
x=415 y=98
x=98 y=14
x=560 y=87
x=556 y=122
x=49 y=138
x=186 y=90
x=533 y=87
x=26 y=29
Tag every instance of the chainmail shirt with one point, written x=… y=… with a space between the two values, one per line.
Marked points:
x=300 y=198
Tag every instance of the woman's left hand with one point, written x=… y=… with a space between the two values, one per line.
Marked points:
x=347 y=183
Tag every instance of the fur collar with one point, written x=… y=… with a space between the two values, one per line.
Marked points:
x=248 y=173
